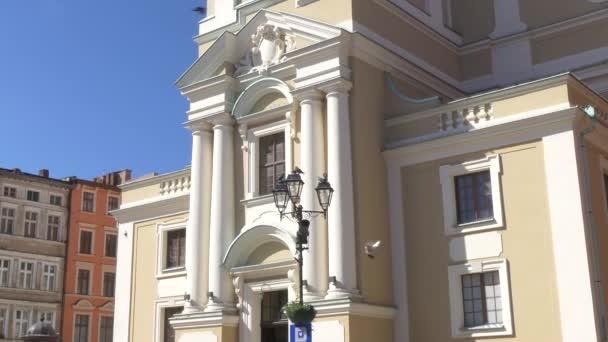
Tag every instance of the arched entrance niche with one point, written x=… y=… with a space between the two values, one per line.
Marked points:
x=260 y=95
x=260 y=259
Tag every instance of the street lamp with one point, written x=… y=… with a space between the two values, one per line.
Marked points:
x=290 y=189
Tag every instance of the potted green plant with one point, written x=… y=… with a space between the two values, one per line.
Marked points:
x=299 y=313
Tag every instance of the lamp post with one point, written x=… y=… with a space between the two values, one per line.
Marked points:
x=289 y=189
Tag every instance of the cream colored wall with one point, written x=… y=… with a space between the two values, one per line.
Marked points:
x=476 y=64
x=391 y=27
x=327 y=11
x=268 y=253
x=600 y=209
x=144 y=286
x=539 y=13
x=526 y=245
x=370 y=183
x=365 y=329
x=580 y=39
x=141 y=193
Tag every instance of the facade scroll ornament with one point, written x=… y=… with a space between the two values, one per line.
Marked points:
x=243 y=134
x=238 y=290
x=291 y=119
x=270 y=43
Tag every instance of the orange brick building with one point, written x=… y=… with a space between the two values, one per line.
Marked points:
x=88 y=311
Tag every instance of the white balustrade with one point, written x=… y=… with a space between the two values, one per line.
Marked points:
x=467 y=117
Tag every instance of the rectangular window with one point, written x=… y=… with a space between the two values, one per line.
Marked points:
x=272 y=161
x=106 y=329
x=83 y=282
x=52 y=230
x=88 y=202
x=169 y=333
x=113 y=203
x=481 y=299
x=10 y=191
x=111 y=242
x=109 y=280
x=26 y=275
x=474 y=197
x=31 y=223
x=48 y=316
x=176 y=248
x=7 y=220
x=56 y=200
x=5 y=271
x=274 y=323
x=3 y=322
x=81 y=328
x=33 y=196
x=22 y=322
x=49 y=275
x=86 y=242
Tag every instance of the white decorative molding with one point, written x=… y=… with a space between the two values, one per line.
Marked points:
x=475 y=246
x=507 y=18
x=270 y=44
x=448 y=173
x=302 y=3
x=455 y=274
x=161 y=250
x=243 y=134
x=177 y=186
x=473 y=116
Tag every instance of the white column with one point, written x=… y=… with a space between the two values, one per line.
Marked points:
x=197 y=230
x=124 y=282
x=312 y=162
x=221 y=227
x=507 y=19
x=341 y=216
x=570 y=251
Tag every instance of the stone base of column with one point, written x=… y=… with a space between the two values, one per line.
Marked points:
x=215 y=307
x=205 y=327
x=192 y=308
x=337 y=293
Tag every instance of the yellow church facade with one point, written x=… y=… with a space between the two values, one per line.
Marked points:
x=467 y=146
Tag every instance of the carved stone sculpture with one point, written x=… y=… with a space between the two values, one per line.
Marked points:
x=270 y=43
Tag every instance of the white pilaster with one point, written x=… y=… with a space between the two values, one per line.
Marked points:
x=197 y=230
x=124 y=282
x=312 y=162
x=221 y=227
x=572 y=264
x=507 y=19
x=341 y=217
x=435 y=8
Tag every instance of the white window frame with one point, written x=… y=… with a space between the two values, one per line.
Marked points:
x=162 y=230
x=27 y=222
x=44 y=284
x=32 y=190
x=4 y=319
x=59 y=228
x=21 y=284
x=87 y=267
x=94 y=202
x=4 y=186
x=2 y=270
x=14 y=217
x=52 y=194
x=604 y=171
x=105 y=241
x=44 y=312
x=455 y=274
x=92 y=231
x=447 y=175
x=108 y=202
x=253 y=144
x=16 y=332
x=101 y=316
x=159 y=317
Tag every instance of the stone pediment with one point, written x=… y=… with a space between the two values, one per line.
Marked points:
x=269 y=38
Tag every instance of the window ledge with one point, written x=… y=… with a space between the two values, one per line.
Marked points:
x=172 y=273
x=258 y=200
x=477 y=226
x=483 y=331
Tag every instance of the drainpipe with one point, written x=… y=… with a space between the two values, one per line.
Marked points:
x=600 y=306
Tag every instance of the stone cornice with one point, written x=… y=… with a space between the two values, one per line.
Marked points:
x=336 y=307
x=152 y=209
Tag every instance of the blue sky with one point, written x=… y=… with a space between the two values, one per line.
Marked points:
x=87 y=87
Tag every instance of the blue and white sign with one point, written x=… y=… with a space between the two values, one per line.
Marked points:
x=300 y=333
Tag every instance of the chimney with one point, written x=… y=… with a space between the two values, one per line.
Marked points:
x=43 y=173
